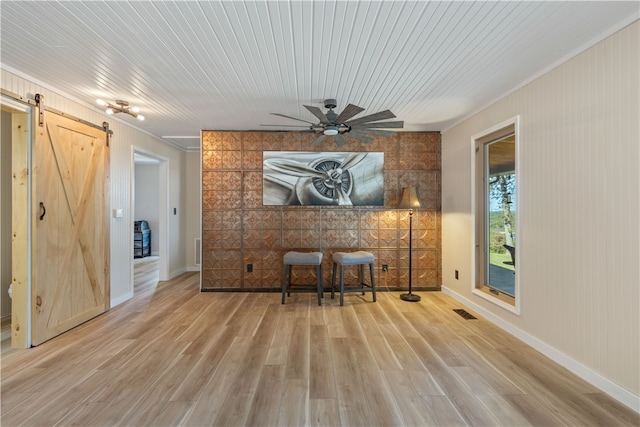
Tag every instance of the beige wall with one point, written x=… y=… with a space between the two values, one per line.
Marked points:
x=125 y=137
x=578 y=210
x=238 y=229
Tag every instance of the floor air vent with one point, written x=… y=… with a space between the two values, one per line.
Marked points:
x=464 y=314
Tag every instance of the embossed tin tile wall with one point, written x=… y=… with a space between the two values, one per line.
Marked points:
x=238 y=230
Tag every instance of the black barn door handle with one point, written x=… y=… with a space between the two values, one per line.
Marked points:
x=43 y=210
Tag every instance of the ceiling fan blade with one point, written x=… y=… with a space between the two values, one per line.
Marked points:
x=348 y=112
x=360 y=137
x=376 y=132
x=287 y=126
x=292 y=118
x=319 y=139
x=382 y=115
x=383 y=125
x=340 y=141
x=317 y=112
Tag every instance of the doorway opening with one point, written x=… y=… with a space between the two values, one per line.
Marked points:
x=150 y=225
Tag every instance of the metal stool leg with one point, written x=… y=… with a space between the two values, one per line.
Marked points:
x=373 y=283
x=319 y=283
x=286 y=277
x=333 y=280
x=341 y=284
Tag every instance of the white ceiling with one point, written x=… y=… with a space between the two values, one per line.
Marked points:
x=226 y=65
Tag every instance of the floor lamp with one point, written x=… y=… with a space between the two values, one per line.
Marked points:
x=410 y=200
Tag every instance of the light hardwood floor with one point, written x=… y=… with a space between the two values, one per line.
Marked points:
x=175 y=356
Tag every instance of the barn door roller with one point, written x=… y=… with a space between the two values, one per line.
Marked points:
x=109 y=132
x=40 y=104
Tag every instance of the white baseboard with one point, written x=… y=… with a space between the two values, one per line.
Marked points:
x=621 y=394
x=120 y=299
x=193 y=268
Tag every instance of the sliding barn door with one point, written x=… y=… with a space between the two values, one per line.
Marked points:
x=70 y=241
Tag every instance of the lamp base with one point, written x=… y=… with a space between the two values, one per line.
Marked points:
x=410 y=297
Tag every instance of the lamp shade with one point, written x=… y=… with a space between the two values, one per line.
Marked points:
x=409 y=199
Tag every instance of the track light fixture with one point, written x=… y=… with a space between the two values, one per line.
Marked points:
x=120 y=107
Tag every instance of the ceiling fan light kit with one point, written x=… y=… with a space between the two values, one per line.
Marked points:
x=331 y=130
x=120 y=106
x=337 y=126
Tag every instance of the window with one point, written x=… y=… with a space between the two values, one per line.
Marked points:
x=495 y=205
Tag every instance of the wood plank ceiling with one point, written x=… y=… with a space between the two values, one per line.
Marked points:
x=228 y=64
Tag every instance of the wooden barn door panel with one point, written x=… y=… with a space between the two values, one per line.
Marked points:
x=70 y=226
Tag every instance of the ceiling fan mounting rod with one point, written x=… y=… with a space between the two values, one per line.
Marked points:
x=330 y=103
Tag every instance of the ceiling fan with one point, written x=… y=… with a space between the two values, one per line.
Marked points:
x=339 y=125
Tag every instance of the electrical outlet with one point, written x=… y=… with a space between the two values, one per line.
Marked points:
x=385 y=267
x=249 y=268
x=456 y=274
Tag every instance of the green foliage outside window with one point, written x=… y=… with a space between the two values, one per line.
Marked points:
x=501 y=216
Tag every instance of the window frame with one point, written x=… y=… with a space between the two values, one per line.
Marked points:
x=479 y=201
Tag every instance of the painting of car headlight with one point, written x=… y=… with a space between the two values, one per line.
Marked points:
x=327 y=178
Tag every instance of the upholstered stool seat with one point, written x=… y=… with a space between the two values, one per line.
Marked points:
x=302 y=258
x=360 y=258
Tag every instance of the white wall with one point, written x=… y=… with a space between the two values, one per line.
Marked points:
x=5 y=214
x=578 y=209
x=125 y=137
x=146 y=200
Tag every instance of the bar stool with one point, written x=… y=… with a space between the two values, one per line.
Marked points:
x=360 y=258
x=302 y=258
